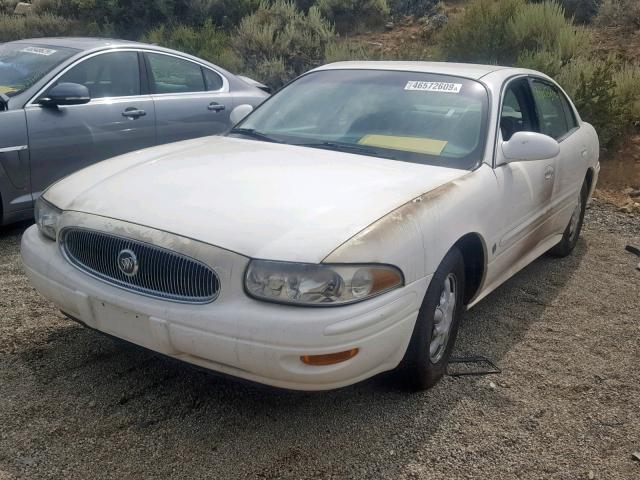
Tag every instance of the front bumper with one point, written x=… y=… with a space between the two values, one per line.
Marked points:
x=235 y=334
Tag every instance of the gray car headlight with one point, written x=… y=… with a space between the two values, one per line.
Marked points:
x=318 y=285
x=47 y=217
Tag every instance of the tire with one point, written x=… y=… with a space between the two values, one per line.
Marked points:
x=422 y=368
x=572 y=232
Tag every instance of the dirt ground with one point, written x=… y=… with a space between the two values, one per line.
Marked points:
x=75 y=404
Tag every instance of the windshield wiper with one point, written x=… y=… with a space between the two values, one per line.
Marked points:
x=253 y=133
x=347 y=147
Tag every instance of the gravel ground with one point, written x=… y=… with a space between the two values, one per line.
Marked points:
x=76 y=404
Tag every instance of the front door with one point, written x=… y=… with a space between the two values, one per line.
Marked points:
x=191 y=100
x=527 y=186
x=119 y=118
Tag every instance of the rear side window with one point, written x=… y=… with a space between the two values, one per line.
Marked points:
x=115 y=74
x=175 y=75
x=214 y=81
x=551 y=111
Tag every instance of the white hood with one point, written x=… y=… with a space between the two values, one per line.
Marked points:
x=262 y=200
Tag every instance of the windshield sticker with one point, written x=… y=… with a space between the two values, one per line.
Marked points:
x=442 y=87
x=39 y=51
x=408 y=144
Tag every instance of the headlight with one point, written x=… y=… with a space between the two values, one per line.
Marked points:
x=318 y=285
x=47 y=217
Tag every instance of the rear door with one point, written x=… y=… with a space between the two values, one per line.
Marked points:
x=191 y=100
x=558 y=120
x=119 y=118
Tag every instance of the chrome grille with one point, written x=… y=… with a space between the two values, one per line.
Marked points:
x=160 y=273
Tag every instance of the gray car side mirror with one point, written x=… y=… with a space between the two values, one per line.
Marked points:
x=66 y=94
x=239 y=113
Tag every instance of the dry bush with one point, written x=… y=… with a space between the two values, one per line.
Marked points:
x=278 y=41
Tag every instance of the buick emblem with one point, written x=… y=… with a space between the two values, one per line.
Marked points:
x=128 y=262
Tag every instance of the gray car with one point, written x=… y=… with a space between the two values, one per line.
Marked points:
x=66 y=103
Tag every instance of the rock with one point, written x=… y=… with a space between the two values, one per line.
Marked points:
x=388 y=25
x=22 y=8
x=591 y=475
x=635 y=193
x=493 y=385
x=626 y=209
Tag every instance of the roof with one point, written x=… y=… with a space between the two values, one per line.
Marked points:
x=81 y=43
x=466 y=70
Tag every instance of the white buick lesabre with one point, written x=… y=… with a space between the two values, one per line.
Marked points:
x=338 y=231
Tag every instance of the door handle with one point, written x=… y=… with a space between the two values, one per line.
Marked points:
x=548 y=172
x=216 y=107
x=133 y=113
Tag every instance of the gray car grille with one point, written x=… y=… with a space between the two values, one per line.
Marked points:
x=159 y=273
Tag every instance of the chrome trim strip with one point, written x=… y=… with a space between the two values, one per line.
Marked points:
x=225 y=81
x=17 y=148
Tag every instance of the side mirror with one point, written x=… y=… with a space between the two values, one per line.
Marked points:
x=66 y=94
x=239 y=113
x=525 y=146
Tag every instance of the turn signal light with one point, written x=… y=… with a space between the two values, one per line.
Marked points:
x=329 y=358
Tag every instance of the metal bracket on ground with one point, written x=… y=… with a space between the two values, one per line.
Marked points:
x=471 y=366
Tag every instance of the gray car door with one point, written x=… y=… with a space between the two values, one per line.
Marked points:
x=15 y=188
x=191 y=99
x=119 y=118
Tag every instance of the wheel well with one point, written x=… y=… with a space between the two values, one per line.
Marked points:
x=473 y=253
x=589 y=179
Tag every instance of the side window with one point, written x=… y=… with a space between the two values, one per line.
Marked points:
x=175 y=75
x=572 y=121
x=516 y=115
x=114 y=74
x=214 y=81
x=551 y=113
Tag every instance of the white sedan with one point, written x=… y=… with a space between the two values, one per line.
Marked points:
x=339 y=231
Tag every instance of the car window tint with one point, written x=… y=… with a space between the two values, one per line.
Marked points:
x=551 y=114
x=516 y=114
x=214 y=81
x=174 y=75
x=114 y=74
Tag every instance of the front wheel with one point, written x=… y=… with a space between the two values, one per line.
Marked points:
x=436 y=328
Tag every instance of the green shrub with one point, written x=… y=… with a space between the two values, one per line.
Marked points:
x=627 y=90
x=354 y=16
x=278 y=41
x=14 y=27
x=505 y=31
x=543 y=28
x=482 y=32
x=623 y=13
x=595 y=98
x=206 y=42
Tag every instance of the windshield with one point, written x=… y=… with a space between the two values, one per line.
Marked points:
x=414 y=117
x=22 y=64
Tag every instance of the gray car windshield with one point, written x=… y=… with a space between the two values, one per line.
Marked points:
x=408 y=116
x=23 y=64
